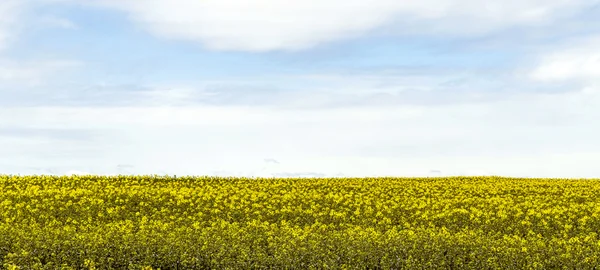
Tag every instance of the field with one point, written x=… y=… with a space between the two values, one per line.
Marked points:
x=152 y=222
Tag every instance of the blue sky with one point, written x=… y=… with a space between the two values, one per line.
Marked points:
x=300 y=88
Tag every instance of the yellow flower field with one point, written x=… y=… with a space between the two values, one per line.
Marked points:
x=152 y=222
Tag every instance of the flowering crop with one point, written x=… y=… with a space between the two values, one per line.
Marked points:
x=152 y=222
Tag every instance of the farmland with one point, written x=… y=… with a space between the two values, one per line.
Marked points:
x=152 y=222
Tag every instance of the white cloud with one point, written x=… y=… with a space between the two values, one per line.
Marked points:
x=15 y=17
x=525 y=134
x=519 y=137
x=263 y=25
x=530 y=134
x=31 y=73
x=575 y=60
x=58 y=22
x=9 y=13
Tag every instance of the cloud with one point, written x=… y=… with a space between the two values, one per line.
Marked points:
x=435 y=172
x=574 y=63
x=31 y=82
x=32 y=70
x=45 y=133
x=575 y=60
x=9 y=13
x=295 y=25
x=292 y=92
x=525 y=140
x=18 y=73
x=124 y=168
x=57 y=22
x=17 y=16
x=271 y=160
x=368 y=123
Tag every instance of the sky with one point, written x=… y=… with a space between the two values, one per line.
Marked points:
x=300 y=88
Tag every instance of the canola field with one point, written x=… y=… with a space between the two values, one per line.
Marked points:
x=155 y=222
